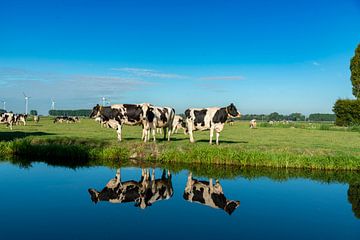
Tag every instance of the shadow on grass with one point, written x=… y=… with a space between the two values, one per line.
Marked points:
x=9 y=136
x=221 y=141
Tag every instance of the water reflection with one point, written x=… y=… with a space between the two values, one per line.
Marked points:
x=354 y=198
x=206 y=193
x=143 y=193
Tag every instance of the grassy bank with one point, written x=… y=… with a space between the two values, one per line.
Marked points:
x=240 y=146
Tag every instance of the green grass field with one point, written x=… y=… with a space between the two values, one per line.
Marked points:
x=312 y=147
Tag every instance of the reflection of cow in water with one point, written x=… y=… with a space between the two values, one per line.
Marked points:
x=144 y=192
x=208 y=194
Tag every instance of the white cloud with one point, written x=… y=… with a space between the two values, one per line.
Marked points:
x=222 y=78
x=315 y=63
x=142 y=72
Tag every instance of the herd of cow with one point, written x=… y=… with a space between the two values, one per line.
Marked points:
x=11 y=119
x=147 y=191
x=152 y=118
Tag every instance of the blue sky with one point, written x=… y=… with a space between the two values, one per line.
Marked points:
x=264 y=56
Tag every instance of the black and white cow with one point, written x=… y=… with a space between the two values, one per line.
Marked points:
x=66 y=119
x=8 y=119
x=118 y=115
x=20 y=118
x=113 y=117
x=206 y=193
x=162 y=118
x=177 y=124
x=212 y=119
x=143 y=193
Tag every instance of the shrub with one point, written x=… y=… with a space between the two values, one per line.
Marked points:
x=347 y=112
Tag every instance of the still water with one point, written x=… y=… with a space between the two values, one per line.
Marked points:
x=46 y=202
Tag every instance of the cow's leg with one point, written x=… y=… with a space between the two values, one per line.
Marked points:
x=217 y=138
x=164 y=130
x=118 y=176
x=153 y=130
x=190 y=131
x=144 y=133
x=211 y=134
x=169 y=133
x=189 y=184
x=119 y=130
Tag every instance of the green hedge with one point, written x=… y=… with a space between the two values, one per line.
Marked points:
x=347 y=112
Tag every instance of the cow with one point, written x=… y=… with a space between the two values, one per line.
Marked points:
x=143 y=193
x=61 y=119
x=209 y=119
x=206 y=193
x=8 y=119
x=177 y=124
x=106 y=114
x=253 y=123
x=20 y=118
x=126 y=114
x=36 y=118
x=163 y=118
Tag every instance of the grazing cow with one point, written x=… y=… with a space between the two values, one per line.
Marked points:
x=36 y=118
x=144 y=192
x=66 y=119
x=209 y=119
x=20 y=118
x=253 y=123
x=208 y=194
x=106 y=114
x=8 y=119
x=177 y=124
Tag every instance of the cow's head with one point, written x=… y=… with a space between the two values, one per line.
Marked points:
x=232 y=111
x=94 y=195
x=95 y=111
x=231 y=205
x=147 y=112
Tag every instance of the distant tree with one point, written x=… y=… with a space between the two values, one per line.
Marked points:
x=79 y=112
x=33 y=112
x=355 y=73
x=319 y=117
x=295 y=117
x=275 y=116
x=2 y=111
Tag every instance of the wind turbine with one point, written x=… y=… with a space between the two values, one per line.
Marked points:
x=52 y=104
x=26 y=103
x=4 y=102
x=104 y=101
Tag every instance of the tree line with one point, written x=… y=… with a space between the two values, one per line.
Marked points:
x=315 y=117
x=78 y=112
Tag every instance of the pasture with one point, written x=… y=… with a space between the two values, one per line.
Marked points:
x=312 y=146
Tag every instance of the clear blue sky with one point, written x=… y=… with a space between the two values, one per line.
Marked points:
x=265 y=56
